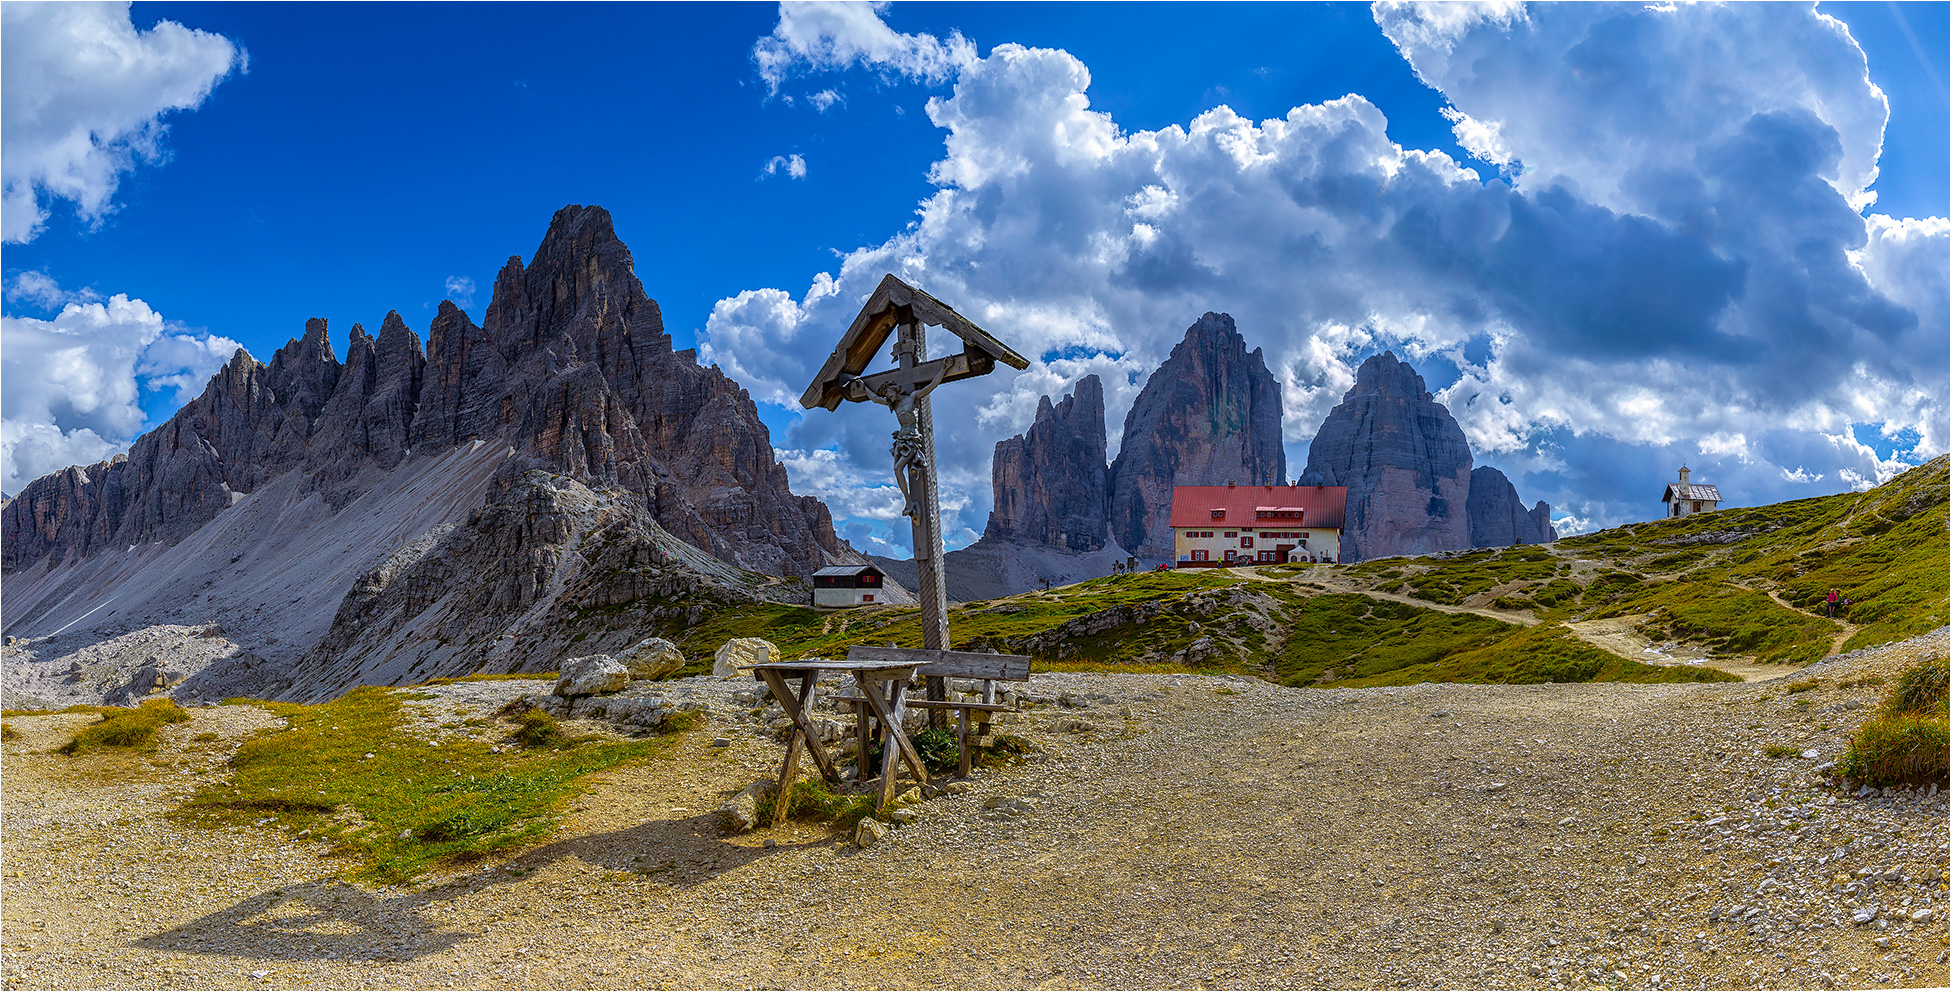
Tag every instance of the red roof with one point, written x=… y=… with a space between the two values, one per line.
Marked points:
x=1321 y=506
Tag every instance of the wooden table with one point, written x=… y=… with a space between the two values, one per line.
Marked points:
x=883 y=688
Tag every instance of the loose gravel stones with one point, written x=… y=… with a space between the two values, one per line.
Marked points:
x=1639 y=836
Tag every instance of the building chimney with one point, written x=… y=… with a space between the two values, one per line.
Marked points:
x=1684 y=475
x=1230 y=484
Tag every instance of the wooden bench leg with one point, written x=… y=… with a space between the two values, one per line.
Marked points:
x=890 y=763
x=789 y=773
x=862 y=742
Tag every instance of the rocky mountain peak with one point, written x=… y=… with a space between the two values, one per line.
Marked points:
x=1499 y=518
x=1404 y=459
x=572 y=371
x=1211 y=412
x=1386 y=373
x=1049 y=481
x=1412 y=487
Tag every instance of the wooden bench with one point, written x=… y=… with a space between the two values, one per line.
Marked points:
x=939 y=666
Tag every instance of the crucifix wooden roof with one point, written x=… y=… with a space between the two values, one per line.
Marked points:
x=892 y=303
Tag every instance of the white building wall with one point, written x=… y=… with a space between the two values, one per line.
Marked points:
x=1321 y=543
x=843 y=596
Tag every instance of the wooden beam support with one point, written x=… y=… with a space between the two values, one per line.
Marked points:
x=957 y=665
x=795 y=707
x=894 y=302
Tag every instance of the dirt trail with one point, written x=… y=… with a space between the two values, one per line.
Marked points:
x=1333 y=584
x=1226 y=833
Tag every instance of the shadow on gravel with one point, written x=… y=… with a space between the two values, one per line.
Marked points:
x=332 y=919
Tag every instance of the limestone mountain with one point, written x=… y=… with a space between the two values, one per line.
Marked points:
x=1049 y=482
x=1210 y=413
x=1498 y=517
x=264 y=501
x=1412 y=489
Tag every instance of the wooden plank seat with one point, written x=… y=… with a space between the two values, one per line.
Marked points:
x=939 y=666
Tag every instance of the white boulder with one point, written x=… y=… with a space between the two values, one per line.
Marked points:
x=591 y=674
x=652 y=658
x=743 y=651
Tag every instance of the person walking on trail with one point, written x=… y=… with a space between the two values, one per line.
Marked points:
x=1830 y=603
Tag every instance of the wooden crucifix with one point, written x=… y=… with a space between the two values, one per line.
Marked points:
x=900 y=309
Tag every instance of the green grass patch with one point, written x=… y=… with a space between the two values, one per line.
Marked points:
x=1348 y=638
x=938 y=748
x=1885 y=549
x=410 y=805
x=124 y=728
x=1730 y=620
x=1548 y=653
x=1010 y=625
x=812 y=799
x=1906 y=741
x=1451 y=581
x=1781 y=751
x=7 y=732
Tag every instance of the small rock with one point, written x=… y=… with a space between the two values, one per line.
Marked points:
x=904 y=817
x=1810 y=753
x=1882 y=941
x=1494 y=787
x=406 y=835
x=769 y=843
x=867 y=831
x=912 y=795
x=721 y=742
x=1921 y=916
x=955 y=789
x=741 y=812
x=1865 y=915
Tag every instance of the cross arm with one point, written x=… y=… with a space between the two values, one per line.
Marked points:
x=962 y=365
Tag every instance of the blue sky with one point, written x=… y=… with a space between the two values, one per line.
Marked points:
x=344 y=161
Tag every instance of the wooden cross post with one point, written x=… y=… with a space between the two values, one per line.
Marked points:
x=898 y=308
x=925 y=501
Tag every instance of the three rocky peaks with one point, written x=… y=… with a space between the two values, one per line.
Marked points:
x=1212 y=413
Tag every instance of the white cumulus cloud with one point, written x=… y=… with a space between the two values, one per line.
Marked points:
x=71 y=386
x=82 y=99
x=822 y=36
x=1648 y=291
x=793 y=165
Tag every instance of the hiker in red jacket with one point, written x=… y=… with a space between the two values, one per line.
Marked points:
x=1830 y=603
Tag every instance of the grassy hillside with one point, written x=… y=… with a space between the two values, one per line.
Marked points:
x=1744 y=585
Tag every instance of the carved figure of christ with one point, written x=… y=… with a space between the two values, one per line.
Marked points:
x=910 y=447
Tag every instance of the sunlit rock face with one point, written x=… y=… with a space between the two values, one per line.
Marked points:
x=1210 y=413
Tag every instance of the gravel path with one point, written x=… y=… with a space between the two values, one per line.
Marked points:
x=1175 y=832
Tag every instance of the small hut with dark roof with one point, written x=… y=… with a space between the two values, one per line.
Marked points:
x=846 y=585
